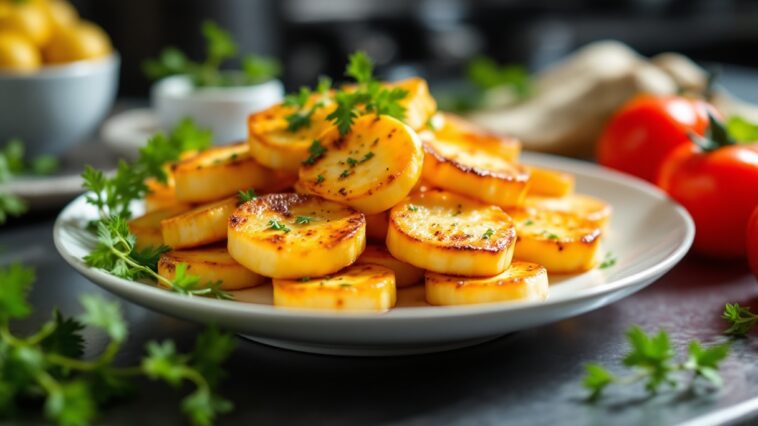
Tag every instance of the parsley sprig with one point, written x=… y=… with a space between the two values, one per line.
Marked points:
x=301 y=117
x=48 y=364
x=652 y=358
x=113 y=195
x=117 y=254
x=368 y=95
x=220 y=47
x=740 y=319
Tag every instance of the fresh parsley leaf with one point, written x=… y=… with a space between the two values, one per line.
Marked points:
x=705 y=361
x=346 y=112
x=202 y=406
x=162 y=362
x=529 y=222
x=245 y=196
x=486 y=74
x=315 y=151
x=412 y=208
x=653 y=359
x=70 y=404
x=369 y=155
x=650 y=353
x=345 y=173
x=212 y=348
x=304 y=220
x=10 y=205
x=44 y=165
x=596 y=379
x=66 y=338
x=277 y=226
x=608 y=261
x=259 y=69
x=360 y=67
x=740 y=319
x=15 y=282
x=319 y=179
x=219 y=43
x=171 y=61
x=104 y=314
x=352 y=162
x=488 y=233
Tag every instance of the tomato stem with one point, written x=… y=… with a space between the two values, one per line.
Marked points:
x=716 y=136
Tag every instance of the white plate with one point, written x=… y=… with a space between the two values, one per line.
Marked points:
x=649 y=234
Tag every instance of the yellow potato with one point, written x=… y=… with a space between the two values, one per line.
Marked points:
x=451 y=234
x=550 y=183
x=473 y=170
x=371 y=168
x=451 y=127
x=405 y=275
x=294 y=235
x=79 y=42
x=219 y=172
x=210 y=264
x=29 y=19
x=61 y=13
x=200 y=226
x=147 y=228
x=563 y=243
x=589 y=208
x=522 y=281
x=276 y=147
x=161 y=195
x=419 y=104
x=18 y=53
x=355 y=288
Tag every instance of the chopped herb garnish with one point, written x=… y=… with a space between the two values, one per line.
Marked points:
x=352 y=162
x=488 y=233
x=608 y=261
x=319 y=179
x=303 y=220
x=245 y=196
x=412 y=208
x=529 y=222
x=369 y=95
x=345 y=285
x=344 y=174
x=552 y=236
x=305 y=279
x=276 y=226
x=315 y=151
x=369 y=155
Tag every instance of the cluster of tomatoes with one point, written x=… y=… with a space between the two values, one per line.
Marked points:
x=38 y=32
x=681 y=145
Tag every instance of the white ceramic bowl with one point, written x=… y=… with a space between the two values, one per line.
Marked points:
x=57 y=106
x=222 y=109
x=648 y=233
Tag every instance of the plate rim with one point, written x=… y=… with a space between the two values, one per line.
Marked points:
x=159 y=296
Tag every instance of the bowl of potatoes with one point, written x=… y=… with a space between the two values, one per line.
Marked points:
x=58 y=75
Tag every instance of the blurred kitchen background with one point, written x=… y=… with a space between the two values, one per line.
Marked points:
x=434 y=38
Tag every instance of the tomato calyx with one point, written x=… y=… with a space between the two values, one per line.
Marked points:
x=716 y=136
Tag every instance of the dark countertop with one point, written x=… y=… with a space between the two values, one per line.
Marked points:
x=527 y=378
x=530 y=377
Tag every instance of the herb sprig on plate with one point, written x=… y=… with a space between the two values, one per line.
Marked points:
x=49 y=363
x=13 y=162
x=116 y=250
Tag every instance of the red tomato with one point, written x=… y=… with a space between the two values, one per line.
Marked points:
x=752 y=241
x=719 y=189
x=641 y=135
